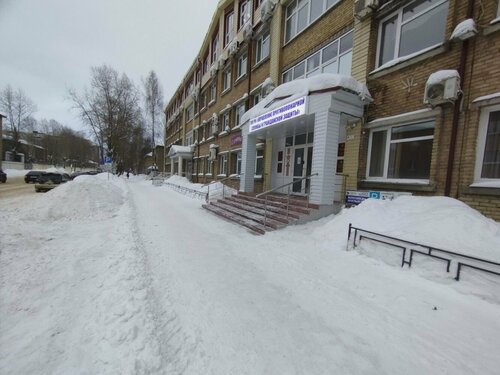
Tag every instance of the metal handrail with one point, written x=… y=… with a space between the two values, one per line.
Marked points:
x=266 y=193
x=285 y=185
x=222 y=182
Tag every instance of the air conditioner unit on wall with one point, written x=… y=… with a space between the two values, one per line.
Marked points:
x=363 y=8
x=442 y=91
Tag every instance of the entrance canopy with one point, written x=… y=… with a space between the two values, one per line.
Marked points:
x=184 y=152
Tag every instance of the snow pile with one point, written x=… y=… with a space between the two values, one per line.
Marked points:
x=292 y=90
x=435 y=221
x=215 y=188
x=464 y=30
x=86 y=197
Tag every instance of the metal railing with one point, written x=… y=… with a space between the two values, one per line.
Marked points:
x=289 y=185
x=223 y=185
x=186 y=191
x=446 y=256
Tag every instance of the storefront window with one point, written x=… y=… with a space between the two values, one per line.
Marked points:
x=401 y=152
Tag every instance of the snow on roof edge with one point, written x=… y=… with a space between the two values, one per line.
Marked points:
x=302 y=87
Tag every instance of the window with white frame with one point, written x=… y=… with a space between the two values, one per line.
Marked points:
x=223 y=164
x=189 y=112
x=189 y=138
x=401 y=151
x=213 y=91
x=488 y=146
x=300 y=14
x=226 y=79
x=239 y=112
x=228 y=27
x=244 y=13
x=413 y=28
x=201 y=166
x=259 y=162
x=214 y=52
x=336 y=58
x=257 y=97
x=209 y=164
x=262 y=47
x=236 y=162
x=242 y=66
x=226 y=121
x=498 y=10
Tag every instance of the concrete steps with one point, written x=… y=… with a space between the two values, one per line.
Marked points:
x=248 y=211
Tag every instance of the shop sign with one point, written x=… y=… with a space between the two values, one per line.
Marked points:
x=236 y=140
x=280 y=114
x=355 y=197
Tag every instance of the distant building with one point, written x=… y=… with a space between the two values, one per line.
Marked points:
x=432 y=128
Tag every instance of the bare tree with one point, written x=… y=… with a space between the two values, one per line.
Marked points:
x=19 y=110
x=153 y=100
x=110 y=108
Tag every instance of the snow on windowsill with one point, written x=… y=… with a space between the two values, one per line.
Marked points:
x=398 y=181
x=486 y=184
x=487 y=97
x=222 y=133
x=496 y=20
x=221 y=175
x=404 y=58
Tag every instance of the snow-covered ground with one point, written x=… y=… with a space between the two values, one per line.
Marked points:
x=105 y=275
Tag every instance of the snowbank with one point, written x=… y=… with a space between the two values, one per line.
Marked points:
x=437 y=221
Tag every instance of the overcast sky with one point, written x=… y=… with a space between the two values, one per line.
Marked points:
x=48 y=46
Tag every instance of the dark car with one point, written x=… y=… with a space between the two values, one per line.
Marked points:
x=3 y=177
x=48 y=180
x=32 y=176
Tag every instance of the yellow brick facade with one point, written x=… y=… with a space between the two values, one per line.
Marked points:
x=395 y=90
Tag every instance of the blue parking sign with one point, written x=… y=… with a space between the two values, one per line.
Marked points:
x=374 y=194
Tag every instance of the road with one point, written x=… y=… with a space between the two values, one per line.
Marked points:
x=15 y=186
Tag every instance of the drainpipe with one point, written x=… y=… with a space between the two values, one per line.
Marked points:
x=456 y=111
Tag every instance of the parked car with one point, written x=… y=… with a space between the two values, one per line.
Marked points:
x=3 y=177
x=32 y=176
x=48 y=180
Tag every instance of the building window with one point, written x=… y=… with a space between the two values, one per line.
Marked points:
x=259 y=163
x=226 y=79
x=242 y=66
x=262 y=47
x=215 y=48
x=189 y=113
x=226 y=121
x=240 y=111
x=236 y=162
x=411 y=29
x=488 y=146
x=189 y=138
x=401 y=152
x=223 y=164
x=244 y=13
x=228 y=27
x=256 y=3
x=334 y=58
x=257 y=97
x=209 y=164
x=205 y=64
x=301 y=13
x=213 y=92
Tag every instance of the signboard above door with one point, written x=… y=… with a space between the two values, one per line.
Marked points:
x=285 y=112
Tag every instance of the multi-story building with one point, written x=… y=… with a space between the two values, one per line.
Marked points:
x=430 y=127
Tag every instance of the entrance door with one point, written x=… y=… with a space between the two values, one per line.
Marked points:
x=302 y=162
